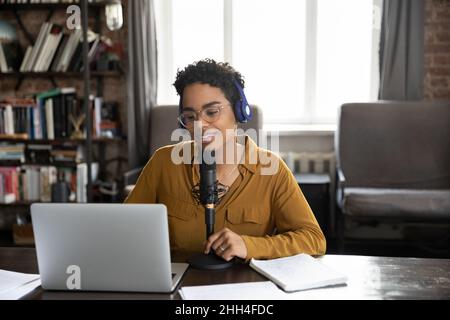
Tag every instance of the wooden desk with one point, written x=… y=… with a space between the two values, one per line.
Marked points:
x=369 y=278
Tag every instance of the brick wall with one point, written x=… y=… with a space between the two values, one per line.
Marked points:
x=437 y=49
x=114 y=87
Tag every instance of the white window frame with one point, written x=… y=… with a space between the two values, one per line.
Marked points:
x=310 y=60
x=166 y=68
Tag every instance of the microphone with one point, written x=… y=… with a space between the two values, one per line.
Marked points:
x=209 y=197
x=208 y=194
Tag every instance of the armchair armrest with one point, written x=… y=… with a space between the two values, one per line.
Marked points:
x=341 y=177
x=130 y=177
x=129 y=180
x=340 y=185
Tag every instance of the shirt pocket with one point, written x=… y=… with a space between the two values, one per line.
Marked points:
x=178 y=209
x=182 y=218
x=251 y=221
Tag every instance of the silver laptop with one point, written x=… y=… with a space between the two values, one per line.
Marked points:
x=104 y=247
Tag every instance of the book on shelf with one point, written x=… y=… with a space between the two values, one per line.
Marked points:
x=9 y=184
x=44 y=118
x=67 y=154
x=36 y=48
x=49 y=116
x=26 y=58
x=50 y=44
x=31 y=183
x=36 y=167
x=58 y=51
x=47 y=177
x=105 y=118
x=97 y=116
x=42 y=154
x=82 y=179
x=3 y=65
x=49 y=119
x=68 y=51
x=36 y=182
x=14 y=153
x=13 y=117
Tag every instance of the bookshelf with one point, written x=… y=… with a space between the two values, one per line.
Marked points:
x=51 y=76
x=51 y=8
x=8 y=163
x=37 y=132
x=5 y=138
x=16 y=78
x=44 y=6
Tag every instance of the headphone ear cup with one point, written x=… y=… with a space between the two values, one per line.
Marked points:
x=242 y=109
x=238 y=111
x=246 y=114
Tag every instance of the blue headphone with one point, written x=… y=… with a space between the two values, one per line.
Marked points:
x=242 y=110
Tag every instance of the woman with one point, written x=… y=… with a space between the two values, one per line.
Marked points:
x=260 y=215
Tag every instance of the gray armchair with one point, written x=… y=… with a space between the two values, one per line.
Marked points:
x=163 y=122
x=393 y=162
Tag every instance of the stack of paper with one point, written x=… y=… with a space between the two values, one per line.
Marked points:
x=14 y=285
x=292 y=274
x=265 y=290
x=269 y=291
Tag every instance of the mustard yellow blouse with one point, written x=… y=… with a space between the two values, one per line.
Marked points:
x=269 y=211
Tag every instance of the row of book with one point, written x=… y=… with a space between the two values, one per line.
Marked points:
x=56 y=113
x=13 y=152
x=34 y=183
x=42 y=154
x=57 y=51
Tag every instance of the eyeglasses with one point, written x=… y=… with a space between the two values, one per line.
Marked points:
x=210 y=115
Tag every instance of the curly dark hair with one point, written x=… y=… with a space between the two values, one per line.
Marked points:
x=216 y=74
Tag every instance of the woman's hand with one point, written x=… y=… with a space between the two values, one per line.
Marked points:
x=226 y=244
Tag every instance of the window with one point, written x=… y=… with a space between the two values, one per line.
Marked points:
x=187 y=31
x=301 y=59
x=344 y=56
x=269 y=49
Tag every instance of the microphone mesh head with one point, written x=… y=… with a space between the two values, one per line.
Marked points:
x=208 y=184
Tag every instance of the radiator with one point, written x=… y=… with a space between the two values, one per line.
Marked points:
x=315 y=163
x=311 y=162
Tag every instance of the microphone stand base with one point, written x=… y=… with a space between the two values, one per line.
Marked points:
x=209 y=262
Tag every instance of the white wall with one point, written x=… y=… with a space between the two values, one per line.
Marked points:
x=302 y=141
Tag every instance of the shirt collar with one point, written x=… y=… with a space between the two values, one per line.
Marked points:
x=251 y=153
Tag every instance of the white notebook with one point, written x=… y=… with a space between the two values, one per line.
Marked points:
x=299 y=272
